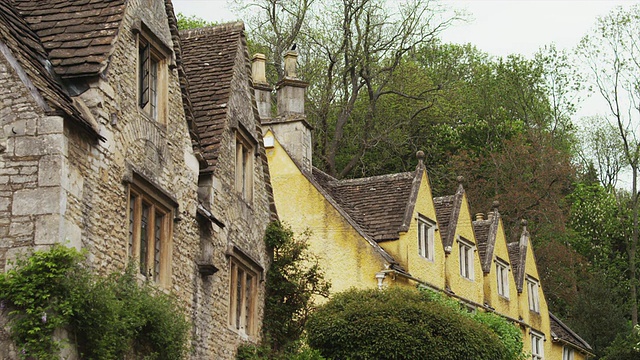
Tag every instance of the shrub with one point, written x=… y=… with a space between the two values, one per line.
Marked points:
x=398 y=324
x=111 y=318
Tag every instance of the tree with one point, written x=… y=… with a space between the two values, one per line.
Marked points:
x=408 y=324
x=611 y=51
x=603 y=148
x=192 y=22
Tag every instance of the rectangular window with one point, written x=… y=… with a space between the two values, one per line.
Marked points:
x=466 y=258
x=532 y=293
x=567 y=353
x=244 y=168
x=242 y=295
x=537 y=346
x=150 y=78
x=426 y=236
x=149 y=236
x=502 y=275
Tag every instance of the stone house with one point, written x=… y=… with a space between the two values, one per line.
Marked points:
x=390 y=230
x=102 y=148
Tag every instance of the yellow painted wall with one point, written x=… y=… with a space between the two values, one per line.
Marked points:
x=405 y=250
x=537 y=321
x=502 y=305
x=469 y=289
x=556 y=352
x=347 y=259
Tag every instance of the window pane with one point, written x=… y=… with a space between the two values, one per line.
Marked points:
x=247 y=301
x=144 y=238
x=239 y=298
x=153 y=88
x=132 y=206
x=157 y=245
x=143 y=60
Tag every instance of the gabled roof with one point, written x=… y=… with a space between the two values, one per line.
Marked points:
x=24 y=45
x=447 y=213
x=486 y=232
x=560 y=331
x=209 y=56
x=77 y=34
x=376 y=203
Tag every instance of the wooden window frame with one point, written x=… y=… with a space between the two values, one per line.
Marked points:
x=156 y=264
x=152 y=78
x=502 y=277
x=245 y=154
x=243 y=295
x=537 y=345
x=426 y=238
x=466 y=251
x=533 y=294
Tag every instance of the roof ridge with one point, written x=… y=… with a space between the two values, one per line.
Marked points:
x=212 y=30
x=364 y=180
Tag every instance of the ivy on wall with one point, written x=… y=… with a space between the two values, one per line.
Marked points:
x=107 y=318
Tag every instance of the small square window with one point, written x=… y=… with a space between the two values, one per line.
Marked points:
x=244 y=168
x=466 y=258
x=532 y=293
x=150 y=236
x=426 y=236
x=242 y=297
x=502 y=276
x=537 y=346
x=151 y=79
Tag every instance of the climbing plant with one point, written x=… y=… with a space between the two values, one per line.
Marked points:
x=108 y=318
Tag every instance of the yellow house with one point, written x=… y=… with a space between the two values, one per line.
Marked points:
x=390 y=231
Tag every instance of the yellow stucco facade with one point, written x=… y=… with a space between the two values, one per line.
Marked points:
x=351 y=259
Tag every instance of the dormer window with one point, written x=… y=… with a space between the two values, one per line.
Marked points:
x=502 y=276
x=426 y=235
x=152 y=76
x=244 y=167
x=532 y=293
x=466 y=258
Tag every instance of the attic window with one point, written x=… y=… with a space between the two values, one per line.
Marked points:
x=502 y=277
x=244 y=166
x=533 y=294
x=426 y=235
x=152 y=78
x=466 y=258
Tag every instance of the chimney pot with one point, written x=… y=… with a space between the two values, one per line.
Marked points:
x=479 y=216
x=258 y=72
x=290 y=60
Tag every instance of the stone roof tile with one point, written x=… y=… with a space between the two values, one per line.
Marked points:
x=562 y=332
x=24 y=44
x=209 y=58
x=63 y=24
x=376 y=203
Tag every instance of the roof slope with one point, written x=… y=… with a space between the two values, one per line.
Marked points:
x=77 y=34
x=561 y=331
x=376 y=203
x=447 y=213
x=486 y=232
x=518 y=256
x=209 y=56
x=24 y=44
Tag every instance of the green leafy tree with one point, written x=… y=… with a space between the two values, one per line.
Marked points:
x=401 y=324
x=192 y=22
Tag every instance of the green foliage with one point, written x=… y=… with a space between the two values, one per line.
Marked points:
x=192 y=22
x=404 y=324
x=264 y=352
x=625 y=347
x=110 y=317
x=292 y=280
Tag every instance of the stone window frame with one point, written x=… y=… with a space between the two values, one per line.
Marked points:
x=245 y=273
x=537 y=345
x=466 y=251
x=156 y=266
x=502 y=277
x=154 y=58
x=533 y=294
x=568 y=353
x=426 y=238
x=245 y=151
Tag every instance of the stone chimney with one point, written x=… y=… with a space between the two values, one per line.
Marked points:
x=290 y=126
x=261 y=87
